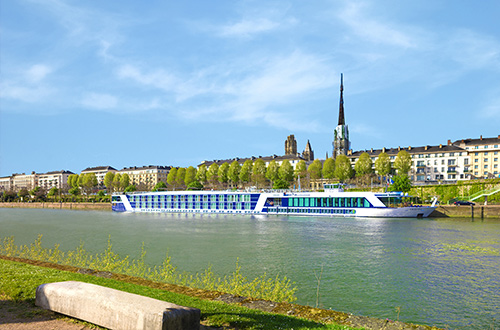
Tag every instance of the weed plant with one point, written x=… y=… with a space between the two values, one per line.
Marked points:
x=277 y=288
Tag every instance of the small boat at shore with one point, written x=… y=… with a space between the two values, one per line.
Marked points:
x=333 y=202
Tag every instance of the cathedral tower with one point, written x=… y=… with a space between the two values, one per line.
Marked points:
x=291 y=146
x=341 y=133
x=308 y=153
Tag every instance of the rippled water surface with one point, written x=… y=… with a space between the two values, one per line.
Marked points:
x=438 y=272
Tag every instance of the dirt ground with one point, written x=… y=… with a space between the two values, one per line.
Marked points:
x=26 y=316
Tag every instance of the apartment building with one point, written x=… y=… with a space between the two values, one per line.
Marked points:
x=6 y=183
x=100 y=173
x=429 y=163
x=24 y=181
x=57 y=179
x=484 y=155
x=146 y=176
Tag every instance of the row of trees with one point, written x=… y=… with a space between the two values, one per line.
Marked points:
x=39 y=194
x=283 y=176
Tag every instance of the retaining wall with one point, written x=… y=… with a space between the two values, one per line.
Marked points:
x=67 y=206
x=466 y=211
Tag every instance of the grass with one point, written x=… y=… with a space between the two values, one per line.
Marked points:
x=264 y=287
x=20 y=280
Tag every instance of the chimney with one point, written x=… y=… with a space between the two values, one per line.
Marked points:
x=449 y=142
x=480 y=137
x=426 y=147
x=372 y=148
x=440 y=146
x=409 y=147
x=383 y=149
x=498 y=136
x=399 y=148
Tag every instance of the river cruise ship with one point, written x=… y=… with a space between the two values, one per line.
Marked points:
x=333 y=201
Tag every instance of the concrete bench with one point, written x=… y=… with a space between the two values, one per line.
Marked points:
x=114 y=309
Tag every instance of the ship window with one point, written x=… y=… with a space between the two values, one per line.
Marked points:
x=301 y=202
x=306 y=202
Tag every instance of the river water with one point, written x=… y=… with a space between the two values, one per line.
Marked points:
x=437 y=272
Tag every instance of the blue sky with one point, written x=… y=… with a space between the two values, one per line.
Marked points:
x=131 y=83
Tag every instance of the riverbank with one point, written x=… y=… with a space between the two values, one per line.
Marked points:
x=443 y=211
x=467 y=211
x=218 y=309
x=65 y=206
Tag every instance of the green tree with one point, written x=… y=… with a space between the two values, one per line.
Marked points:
x=172 y=174
x=272 y=172
x=23 y=194
x=246 y=171
x=364 y=165
x=130 y=189
x=108 y=181
x=383 y=164
x=53 y=192
x=124 y=181
x=234 y=172
x=315 y=169
x=259 y=173
x=190 y=175
x=223 y=174
x=195 y=185
x=343 y=168
x=117 y=182
x=401 y=183
x=87 y=182
x=201 y=174
x=281 y=184
x=301 y=169
x=212 y=172
x=285 y=171
x=180 y=177
x=73 y=180
x=329 y=169
x=403 y=162
x=160 y=186
x=75 y=191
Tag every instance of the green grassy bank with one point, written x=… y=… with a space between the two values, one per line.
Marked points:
x=20 y=280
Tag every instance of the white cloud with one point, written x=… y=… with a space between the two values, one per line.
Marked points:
x=356 y=16
x=37 y=73
x=99 y=101
x=474 y=51
x=27 y=94
x=248 y=27
x=157 y=79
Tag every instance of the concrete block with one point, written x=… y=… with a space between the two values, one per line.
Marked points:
x=114 y=309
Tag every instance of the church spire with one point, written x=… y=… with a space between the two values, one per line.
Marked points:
x=341 y=105
x=341 y=141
